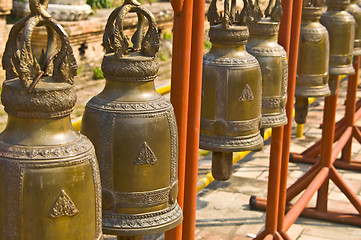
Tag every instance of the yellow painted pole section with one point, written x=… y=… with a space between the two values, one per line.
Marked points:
x=163 y=89
x=299 y=129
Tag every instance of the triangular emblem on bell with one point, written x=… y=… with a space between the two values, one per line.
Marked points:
x=63 y=206
x=145 y=156
x=247 y=94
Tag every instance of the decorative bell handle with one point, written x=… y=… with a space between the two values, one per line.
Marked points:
x=19 y=61
x=116 y=41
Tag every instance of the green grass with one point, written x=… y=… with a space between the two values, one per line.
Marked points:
x=207 y=45
x=98 y=73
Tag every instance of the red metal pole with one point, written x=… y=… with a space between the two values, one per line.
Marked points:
x=274 y=181
x=276 y=142
x=351 y=107
x=182 y=34
x=284 y=37
x=194 y=114
x=293 y=57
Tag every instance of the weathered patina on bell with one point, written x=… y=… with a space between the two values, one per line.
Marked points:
x=341 y=29
x=313 y=59
x=355 y=10
x=133 y=129
x=263 y=45
x=232 y=88
x=49 y=176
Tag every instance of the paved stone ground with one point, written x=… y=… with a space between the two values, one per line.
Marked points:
x=223 y=211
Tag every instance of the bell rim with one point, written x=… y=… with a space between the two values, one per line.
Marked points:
x=323 y=91
x=272 y=121
x=236 y=144
x=357 y=51
x=174 y=209
x=342 y=70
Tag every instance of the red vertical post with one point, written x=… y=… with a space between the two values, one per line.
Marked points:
x=194 y=114
x=293 y=57
x=284 y=37
x=351 y=107
x=182 y=34
x=277 y=137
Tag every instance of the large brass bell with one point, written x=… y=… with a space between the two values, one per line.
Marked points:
x=341 y=29
x=355 y=10
x=263 y=45
x=231 y=92
x=49 y=176
x=134 y=132
x=313 y=59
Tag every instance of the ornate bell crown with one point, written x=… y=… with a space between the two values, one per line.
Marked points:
x=38 y=88
x=266 y=23
x=133 y=60
x=338 y=4
x=230 y=26
x=312 y=10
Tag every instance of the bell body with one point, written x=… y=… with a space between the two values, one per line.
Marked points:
x=313 y=57
x=49 y=177
x=355 y=10
x=231 y=94
x=134 y=132
x=272 y=58
x=341 y=29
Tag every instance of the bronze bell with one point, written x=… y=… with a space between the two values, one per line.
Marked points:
x=355 y=11
x=313 y=59
x=49 y=185
x=341 y=29
x=133 y=129
x=263 y=45
x=232 y=88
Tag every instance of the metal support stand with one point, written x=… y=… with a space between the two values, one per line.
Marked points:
x=345 y=130
x=317 y=178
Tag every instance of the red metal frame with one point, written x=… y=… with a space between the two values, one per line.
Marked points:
x=194 y=114
x=182 y=34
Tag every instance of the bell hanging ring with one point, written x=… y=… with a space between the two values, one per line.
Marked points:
x=341 y=29
x=231 y=92
x=313 y=59
x=263 y=45
x=50 y=184
x=134 y=132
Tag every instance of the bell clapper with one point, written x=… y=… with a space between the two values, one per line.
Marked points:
x=301 y=110
x=222 y=163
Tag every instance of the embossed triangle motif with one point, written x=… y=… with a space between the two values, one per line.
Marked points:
x=247 y=94
x=63 y=206
x=145 y=156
